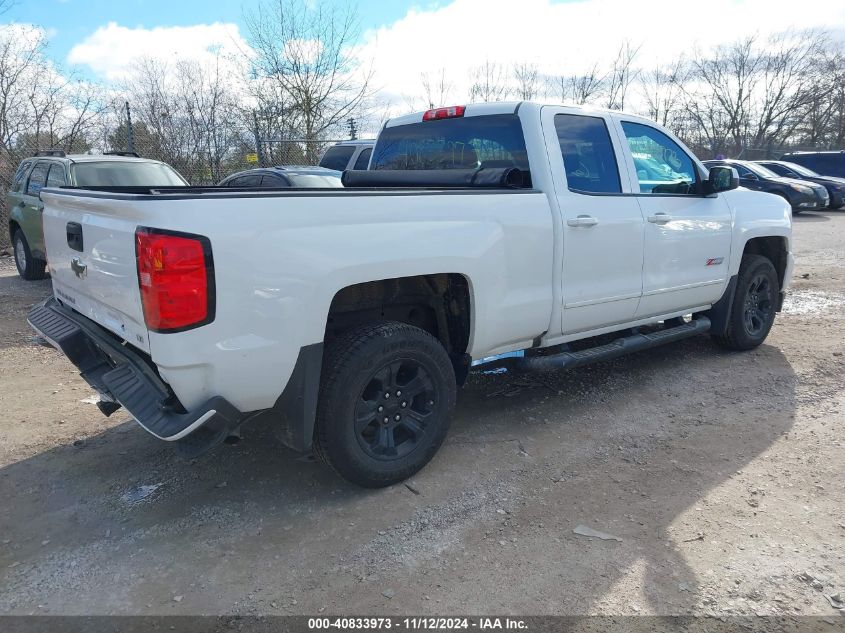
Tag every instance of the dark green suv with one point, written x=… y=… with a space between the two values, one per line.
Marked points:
x=55 y=169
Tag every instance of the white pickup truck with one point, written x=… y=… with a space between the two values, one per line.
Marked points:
x=533 y=235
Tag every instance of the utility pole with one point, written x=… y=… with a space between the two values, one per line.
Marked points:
x=353 y=130
x=130 y=133
x=258 y=149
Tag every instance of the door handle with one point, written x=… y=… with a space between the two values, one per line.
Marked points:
x=660 y=218
x=582 y=220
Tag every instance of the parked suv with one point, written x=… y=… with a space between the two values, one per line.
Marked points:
x=835 y=186
x=348 y=155
x=800 y=194
x=53 y=168
x=824 y=163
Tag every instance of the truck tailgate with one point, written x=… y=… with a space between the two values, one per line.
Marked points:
x=90 y=246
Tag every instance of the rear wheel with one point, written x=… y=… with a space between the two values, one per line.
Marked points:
x=29 y=267
x=386 y=396
x=752 y=312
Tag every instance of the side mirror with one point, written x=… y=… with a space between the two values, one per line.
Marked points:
x=722 y=178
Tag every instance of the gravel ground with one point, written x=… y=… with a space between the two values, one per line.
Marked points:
x=719 y=475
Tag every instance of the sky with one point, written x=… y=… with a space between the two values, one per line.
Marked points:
x=102 y=39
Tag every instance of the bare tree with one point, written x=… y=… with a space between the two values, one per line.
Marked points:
x=621 y=76
x=662 y=91
x=578 y=89
x=306 y=50
x=211 y=115
x=527 y=80
x=787 y=85
x=436 y=88
x=22 y=63
x=489 y=82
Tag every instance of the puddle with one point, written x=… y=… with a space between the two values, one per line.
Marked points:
x=804 y=302
x=139 y=494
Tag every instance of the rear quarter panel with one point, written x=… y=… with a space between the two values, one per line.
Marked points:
x=279 y=260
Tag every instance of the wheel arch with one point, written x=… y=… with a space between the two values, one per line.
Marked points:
x=773 y=247
x=439 y=303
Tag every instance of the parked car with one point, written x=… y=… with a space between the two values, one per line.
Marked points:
x=52 y=168
x=835 y=186
x=351 y=318
x=830 y=163
x=283 y=176
x=801 y=195
x=348 y=155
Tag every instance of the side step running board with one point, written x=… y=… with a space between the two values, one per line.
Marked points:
x=614 y=349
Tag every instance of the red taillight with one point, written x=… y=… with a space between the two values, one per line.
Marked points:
x=451 y=112
x=176 y=277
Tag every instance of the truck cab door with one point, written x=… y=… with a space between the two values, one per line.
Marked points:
x=602 y=226
x=31 y=208
x=687 y=234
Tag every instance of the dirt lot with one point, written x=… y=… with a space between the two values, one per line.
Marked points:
x=721 y=474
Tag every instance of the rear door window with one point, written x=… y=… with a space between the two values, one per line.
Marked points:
x=250 y=180
x=588 y=155
x=37 y=178
x=459 y=143
x=270 y=181
x=56 y=177
x=363 y=160
x=337 y=157
x=780 y=170
x=20 y=175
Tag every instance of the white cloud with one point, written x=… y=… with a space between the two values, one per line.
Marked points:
x=563 y=38
x=560 y=38
x=113 y=50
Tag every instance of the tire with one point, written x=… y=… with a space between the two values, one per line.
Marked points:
x=366 y=429
x=752 y=312
x=28 y=266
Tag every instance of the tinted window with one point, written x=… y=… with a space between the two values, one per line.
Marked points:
x=20 y=175
x=460 y=143
x=780 y=170
x=760 y=171
x=337 y=157
x=56 y=177
x=231 y=182
x=250 y=180
x=125 y=174
x=37 y=178
x=363 y=159
x=799 y=169
x=588 y=155
x=662 y=166
x=269 y=181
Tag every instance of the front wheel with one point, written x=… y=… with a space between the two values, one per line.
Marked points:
x=29 y=267
x=386 y=397
x=752 y=312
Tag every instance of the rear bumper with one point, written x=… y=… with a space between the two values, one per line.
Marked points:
x=126 y=376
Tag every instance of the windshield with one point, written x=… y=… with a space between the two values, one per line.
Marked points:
x=314 y=180
x=110 y=173
x=459 y=143
x=800 y=169
x=759 y=170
